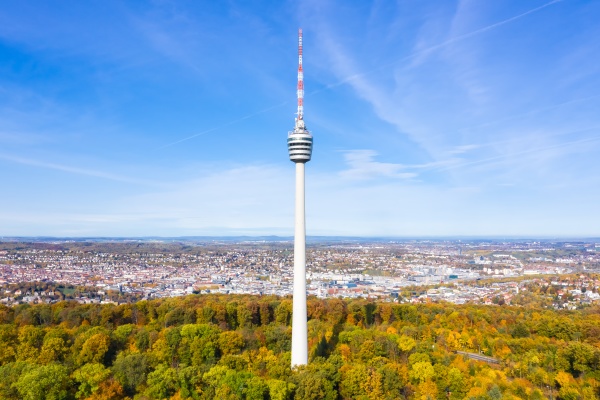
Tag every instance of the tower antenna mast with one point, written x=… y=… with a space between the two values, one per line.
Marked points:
x=300 y=79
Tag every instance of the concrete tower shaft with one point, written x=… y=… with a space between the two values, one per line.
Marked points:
x=299 y=315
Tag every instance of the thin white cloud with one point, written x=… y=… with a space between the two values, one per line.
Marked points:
x=259 y=199
x=362 y=165
x=464 y=148
x=539 y=152
x=22 y=138
x=74 y=170
x=429 y=105
x=169 y=46
x=165 y=39
x=528 y=113
x=420 y=50
x=384 y=99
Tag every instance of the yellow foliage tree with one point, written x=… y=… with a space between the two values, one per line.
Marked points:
x=94 y=349
x=426 y=391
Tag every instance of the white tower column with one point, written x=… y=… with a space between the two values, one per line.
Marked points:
x=299 y=325
x=299 y=144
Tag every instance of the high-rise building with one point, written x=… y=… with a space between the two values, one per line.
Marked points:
x=300 y=143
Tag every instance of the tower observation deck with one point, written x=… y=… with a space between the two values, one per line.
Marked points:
x=300 y=143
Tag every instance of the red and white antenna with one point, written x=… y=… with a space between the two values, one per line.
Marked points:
x=300 y=78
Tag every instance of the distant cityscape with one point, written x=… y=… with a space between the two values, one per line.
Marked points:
x=486 y=272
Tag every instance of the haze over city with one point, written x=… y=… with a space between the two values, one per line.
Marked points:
x=429 y=119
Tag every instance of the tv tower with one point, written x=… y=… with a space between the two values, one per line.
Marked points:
x=300 y=143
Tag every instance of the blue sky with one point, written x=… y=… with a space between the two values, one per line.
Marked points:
x=430 y=118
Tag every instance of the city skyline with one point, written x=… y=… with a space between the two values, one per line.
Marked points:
x=440 y=119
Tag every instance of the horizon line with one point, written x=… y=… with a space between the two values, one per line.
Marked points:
x=290 y=237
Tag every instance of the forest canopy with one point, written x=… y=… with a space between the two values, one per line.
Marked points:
x=238 y=347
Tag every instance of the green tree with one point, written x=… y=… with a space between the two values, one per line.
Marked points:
x=283 y=313
x=121 y=335
x=226 y=383
x=162 y=382
x=312 y=386
x=142 y=340
x=455 y=382
x=581 y=357
x=130 y=370
x=189 y=382
x=203 y=350
x=9 y=375
x=256 y=389
x=278 y=338
x=394 y=377
x=244 y=316
x=46 y=382
x=89 y=377
x=520 y=331
x=231 y=314
x=495 y=393
x=280 y=390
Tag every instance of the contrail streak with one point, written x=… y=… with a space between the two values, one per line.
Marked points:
x=518 y=153
x=436 y=46
x=454 y=163
x=383 y=66
x=523 y=140
x=537 y=110
x=235 y=121
x=497 y=24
